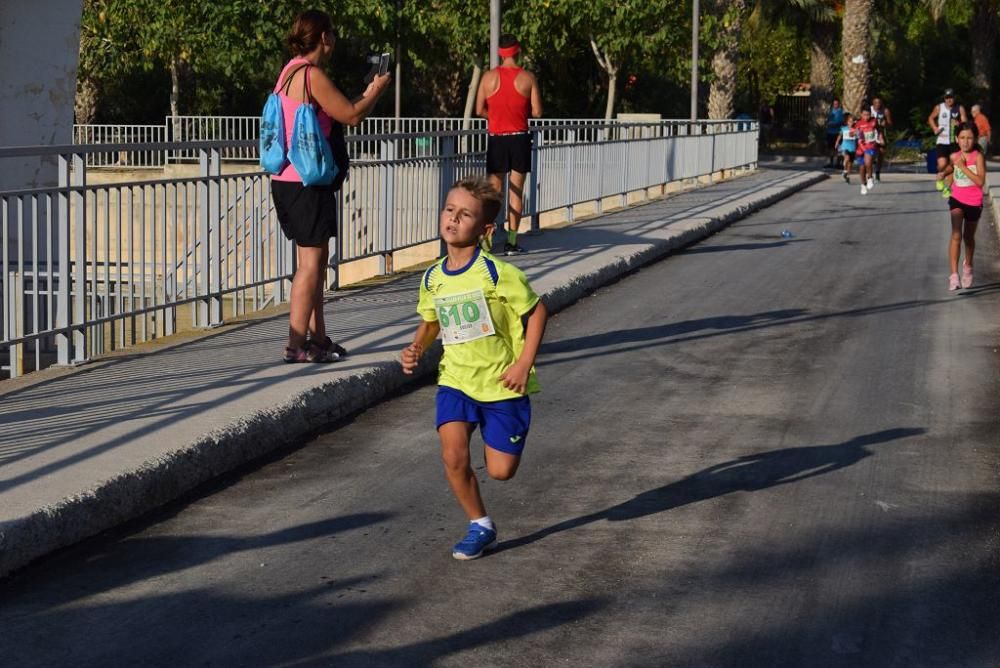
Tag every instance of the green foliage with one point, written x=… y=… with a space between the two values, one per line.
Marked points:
x=230 y=51
x=774 y=57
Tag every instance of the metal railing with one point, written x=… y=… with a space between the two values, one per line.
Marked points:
x=188 y=128
x=87 y=135
x=92 y=264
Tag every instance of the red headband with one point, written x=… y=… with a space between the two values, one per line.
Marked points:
x=509 y=51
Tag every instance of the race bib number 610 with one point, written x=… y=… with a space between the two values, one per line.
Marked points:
x=464 y=317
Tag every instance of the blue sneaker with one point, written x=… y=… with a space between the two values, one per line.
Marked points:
x=475 y=542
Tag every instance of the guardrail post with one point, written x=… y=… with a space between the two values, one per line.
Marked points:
x=61 y=271
x=78 y=213
x=387 y=206
x=215 y=236
x=447 y=176
x=14 y=285
x=533 y=181
x=333 y=264
x=570 y=174
x=602 y=142
x=209 y=261
x=623 y=201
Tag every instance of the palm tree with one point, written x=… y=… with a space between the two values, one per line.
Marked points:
x=720 y=96
x=856 y=40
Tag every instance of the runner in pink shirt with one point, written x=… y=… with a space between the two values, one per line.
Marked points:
x=968 y=167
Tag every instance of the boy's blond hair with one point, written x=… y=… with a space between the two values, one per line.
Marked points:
x=480 y=188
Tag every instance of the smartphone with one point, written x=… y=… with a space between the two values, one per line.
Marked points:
x=379 y=66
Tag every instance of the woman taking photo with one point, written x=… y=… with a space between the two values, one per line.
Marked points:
x=308 y=214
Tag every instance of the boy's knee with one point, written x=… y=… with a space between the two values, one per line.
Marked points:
x=502 y=470
x=455 y=460
x=502 y=474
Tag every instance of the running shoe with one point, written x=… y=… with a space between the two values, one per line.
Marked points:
x=847 y=178
x=512 y=249
x=864 y=190
x=871 y=183
x=878 y=177
x=953 y=283
x=966 y=276
x=939 y=184
x=476 y=541
x=946 y=193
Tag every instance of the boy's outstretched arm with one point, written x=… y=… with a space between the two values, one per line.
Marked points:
x=516 y=377
x=422 y=339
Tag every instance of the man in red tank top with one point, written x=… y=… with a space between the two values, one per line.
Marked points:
x=508 y=96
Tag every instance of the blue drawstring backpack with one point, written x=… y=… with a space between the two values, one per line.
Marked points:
x=272 y=136
x=272 y=131
x=309 y=150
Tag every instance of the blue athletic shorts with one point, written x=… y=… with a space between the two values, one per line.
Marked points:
x=504 y=424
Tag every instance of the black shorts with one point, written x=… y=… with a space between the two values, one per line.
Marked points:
x=971 y=213
x=307 y=214
x=508 y=153
x=945 y=150
x=831 y=141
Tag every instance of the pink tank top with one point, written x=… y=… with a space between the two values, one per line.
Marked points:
x=288 y=108
x=963 y=189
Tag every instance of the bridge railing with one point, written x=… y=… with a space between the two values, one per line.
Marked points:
x=103 y=261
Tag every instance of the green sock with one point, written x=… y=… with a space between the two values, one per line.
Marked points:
x=512 y=237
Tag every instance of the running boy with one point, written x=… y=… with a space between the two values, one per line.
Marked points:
x=968 y=166
x=868 y=142
x=491 y=323
x=847 y=144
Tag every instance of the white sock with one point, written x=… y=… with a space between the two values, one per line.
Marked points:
x=485 y=522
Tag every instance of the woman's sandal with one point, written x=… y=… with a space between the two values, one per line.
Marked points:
x=309 y=353
x=328 y=345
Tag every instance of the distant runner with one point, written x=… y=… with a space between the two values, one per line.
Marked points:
x=883 y=117
x=834 y=121
x=944 y=120
x=983 y=126
x=507 y=97
x=847 y=144
x=869 y=138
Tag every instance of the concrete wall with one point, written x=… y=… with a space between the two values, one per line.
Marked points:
x=39 y=45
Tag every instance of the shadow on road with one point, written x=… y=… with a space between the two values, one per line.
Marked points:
x=746 y=474
x=121 y=563
x=625 y=340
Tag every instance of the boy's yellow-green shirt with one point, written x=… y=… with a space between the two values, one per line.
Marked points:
x=482 y=347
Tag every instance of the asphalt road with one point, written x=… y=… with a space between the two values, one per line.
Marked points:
x=758 y=452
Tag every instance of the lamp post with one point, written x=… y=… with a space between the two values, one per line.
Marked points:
x=695 y=20
x=494 y=33
x=399 y=65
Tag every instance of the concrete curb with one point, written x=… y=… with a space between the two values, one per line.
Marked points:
x=133 y=493
x=993 y=181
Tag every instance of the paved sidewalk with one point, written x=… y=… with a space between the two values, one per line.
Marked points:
x=83 y=451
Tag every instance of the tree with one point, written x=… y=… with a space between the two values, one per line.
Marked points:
x=856 y=41
x=726 y=26
x=616 y=33
x=982 y=39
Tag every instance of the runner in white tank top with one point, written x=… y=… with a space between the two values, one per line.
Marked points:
x=943 y=120
x=883 y=118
